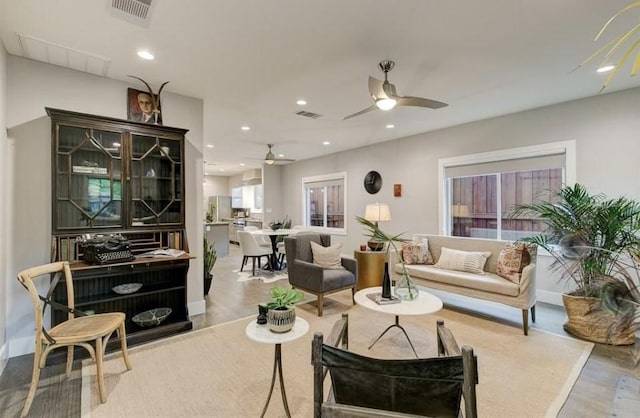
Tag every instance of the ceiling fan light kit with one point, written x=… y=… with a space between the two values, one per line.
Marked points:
x=385 y=97
x=271 y=159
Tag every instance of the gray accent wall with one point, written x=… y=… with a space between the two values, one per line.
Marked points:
x=606 y=129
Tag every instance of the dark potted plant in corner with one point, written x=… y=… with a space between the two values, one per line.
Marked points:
x=209 y=256
x=587 y=234
x=281 y=314
x=405 y=289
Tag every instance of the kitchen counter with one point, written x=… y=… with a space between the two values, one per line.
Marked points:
x=218 y=234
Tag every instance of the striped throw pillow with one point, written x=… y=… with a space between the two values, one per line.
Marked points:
x=469 y=261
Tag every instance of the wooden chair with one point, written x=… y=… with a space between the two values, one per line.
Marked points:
x=367 y=387
x=82 y=331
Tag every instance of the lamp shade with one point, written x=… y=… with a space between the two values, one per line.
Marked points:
x=377 y=212
x=460 y=211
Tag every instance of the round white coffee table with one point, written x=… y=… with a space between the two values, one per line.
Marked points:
x=424 y=304
x=262 y=334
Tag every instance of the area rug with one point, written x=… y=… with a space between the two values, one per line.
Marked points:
x=219 y=372
x=266 y=276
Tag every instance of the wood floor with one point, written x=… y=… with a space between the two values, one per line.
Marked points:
x=592 y=396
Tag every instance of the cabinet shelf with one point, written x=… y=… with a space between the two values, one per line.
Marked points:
x=110 y=297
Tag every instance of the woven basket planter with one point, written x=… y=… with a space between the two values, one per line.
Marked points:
x=589 y=320
x=281 y=320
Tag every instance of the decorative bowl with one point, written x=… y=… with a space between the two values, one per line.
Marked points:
x=151 y=318
x=125 y=289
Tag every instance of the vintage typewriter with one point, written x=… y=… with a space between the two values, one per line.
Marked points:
x=105 y=249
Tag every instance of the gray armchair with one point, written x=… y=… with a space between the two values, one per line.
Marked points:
x=311 y=278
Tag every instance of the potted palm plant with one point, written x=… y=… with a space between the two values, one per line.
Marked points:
x=587 y=234
x=209 y=256
x=281 y=314
x=405 y=289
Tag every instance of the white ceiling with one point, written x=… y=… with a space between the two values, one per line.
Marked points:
x=250 y=60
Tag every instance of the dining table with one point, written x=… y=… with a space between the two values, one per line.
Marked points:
x=273 y=236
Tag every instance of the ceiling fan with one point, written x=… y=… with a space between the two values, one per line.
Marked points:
x=271 y=159
x=385 y=97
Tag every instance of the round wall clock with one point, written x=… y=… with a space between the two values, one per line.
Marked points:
x=372 y=182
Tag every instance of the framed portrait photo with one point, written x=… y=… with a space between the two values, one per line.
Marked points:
x=140 y=107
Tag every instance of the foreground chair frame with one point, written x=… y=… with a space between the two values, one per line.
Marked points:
x=447 y=347
x=89 y=332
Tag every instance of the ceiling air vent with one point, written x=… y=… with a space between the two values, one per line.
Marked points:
x=308 y=114
x=137 y=12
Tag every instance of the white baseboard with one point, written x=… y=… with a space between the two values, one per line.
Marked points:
x=549 y=297
x=3 y=357
x=197 y=308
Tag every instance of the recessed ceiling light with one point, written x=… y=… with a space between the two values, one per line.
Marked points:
x=390 y=125
x=301 y=102
x=222 y=169
x=209 y=145
x=145 y=55
x=245 y=128
x=605 y=68
x=326 y=143
x=280 y=155
x=242 y=164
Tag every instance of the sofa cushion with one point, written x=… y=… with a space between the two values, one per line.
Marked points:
x=469 y=261
x=512 y=259
x=327 y=257
x=417 y=252
x=487 y=282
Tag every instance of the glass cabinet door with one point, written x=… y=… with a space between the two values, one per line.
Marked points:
x=88 y=178
x=156 y=183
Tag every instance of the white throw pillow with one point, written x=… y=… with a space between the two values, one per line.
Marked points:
x=327 y=257
x=469 y=261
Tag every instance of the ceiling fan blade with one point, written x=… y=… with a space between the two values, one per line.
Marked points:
x=389 y=90
x=419 y=101
x=369 y=109
x=376 y=88
x=284 y=159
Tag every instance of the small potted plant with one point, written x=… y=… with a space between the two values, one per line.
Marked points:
x=210 y=256
x=282 y=314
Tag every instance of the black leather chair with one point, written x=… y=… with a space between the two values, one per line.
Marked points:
x=311 y=278
x=368 y=387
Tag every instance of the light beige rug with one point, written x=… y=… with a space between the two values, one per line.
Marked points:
x=219 y=372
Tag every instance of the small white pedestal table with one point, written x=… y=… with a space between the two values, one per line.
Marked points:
x=424 y=304
x=262 y=334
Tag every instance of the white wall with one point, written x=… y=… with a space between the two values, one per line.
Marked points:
x=605 y=128
x=215 y=186
x=4 y=209
x=32 y=86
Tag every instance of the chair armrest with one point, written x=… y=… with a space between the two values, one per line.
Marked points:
x=350 y=264
x=308 y=269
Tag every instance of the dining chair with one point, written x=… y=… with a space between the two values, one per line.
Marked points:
x=260 y=239
x=90 y=332
x=250 y=248
x=362 y=386
x=282 y=250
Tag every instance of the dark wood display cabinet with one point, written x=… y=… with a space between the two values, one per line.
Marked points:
x=111 y=176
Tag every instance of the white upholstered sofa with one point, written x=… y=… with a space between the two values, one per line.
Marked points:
x=488 y=286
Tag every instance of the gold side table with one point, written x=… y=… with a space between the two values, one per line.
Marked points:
x=370 y=268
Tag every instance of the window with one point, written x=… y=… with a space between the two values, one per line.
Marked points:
x=323 y=203
x=479 y=192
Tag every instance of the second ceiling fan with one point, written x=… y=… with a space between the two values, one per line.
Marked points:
x=271 y=159
x=385 y=96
